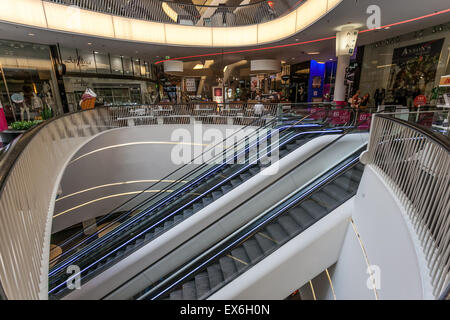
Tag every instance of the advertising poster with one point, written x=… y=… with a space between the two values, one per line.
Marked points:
x=413 y=71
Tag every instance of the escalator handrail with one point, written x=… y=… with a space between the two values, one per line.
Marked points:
x=80 y=233
x=348 y=131
x=252 y=227
x=82 y=251
x=109 y=224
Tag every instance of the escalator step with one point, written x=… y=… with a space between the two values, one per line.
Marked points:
x=353 y=175
x=202 y=284
x=324 y=200
x=176 y=295
x=168 y=224
x=215 y=275
x=206 y=201
x=314 y=210
x=148 y=236
x=245 y=176
x=283 y=153
x=338 y=193
x=197 y=207
x=158 y=230
x=346 y=184
x=241 y=259
x=235 y=182
x=291 y=147
x=217 y=194
x=252 y=249
x=177 y=218
x=277 y=233
x=187 y=213
x=226 y=188
x=189 y=291
x=228 y=267
x=254 y=170
x=302 y=217
x=265 y=242
x=289 y=225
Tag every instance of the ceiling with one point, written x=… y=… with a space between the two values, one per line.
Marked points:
x=349 y=11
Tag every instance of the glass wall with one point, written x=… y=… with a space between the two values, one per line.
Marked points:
x=399 y=69
x=26 y=71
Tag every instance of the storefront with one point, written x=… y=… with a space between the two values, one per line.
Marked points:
x=396 y=71
x=28 y=82
x=116 y=79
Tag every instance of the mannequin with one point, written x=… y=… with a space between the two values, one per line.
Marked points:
x=49 y=100
x=36 y=103
x=24 y=108
x=19 y=99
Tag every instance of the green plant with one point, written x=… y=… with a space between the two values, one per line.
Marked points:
x=24 y=125
x=46 y=113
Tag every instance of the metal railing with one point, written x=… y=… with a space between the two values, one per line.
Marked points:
x=31 y=168
x=185 y=13
x=415 y=162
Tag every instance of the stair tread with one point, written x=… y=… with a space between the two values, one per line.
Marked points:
x=289 y=225
x=202 y=284
x=301 y=216
x=276 y=232
x=189 y=290
x=227 y=266
x=253 y=250
x=314 y=210
x=215 y=275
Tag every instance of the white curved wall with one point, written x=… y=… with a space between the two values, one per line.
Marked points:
x=93 y=166
x=51 y=16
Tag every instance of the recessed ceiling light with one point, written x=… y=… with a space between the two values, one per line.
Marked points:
x=198 y=66
x=89 y=43
x=96 y=52
x=313 y=53
x=387 y=28
x=31 y=34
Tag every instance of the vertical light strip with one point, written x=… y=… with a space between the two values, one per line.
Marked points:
x=366 y=258
x=312 y=290
x=331 y=284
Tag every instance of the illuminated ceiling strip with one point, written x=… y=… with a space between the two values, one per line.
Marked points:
x=306 y=42
x=109 y=197
x=71 y=19
x=138 y=143
x=117 y=184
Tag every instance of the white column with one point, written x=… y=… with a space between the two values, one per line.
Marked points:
x=345 y=46
x=339 y=87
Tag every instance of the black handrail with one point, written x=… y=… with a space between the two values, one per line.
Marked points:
x=347 y=131
x=84 y=249
x=248 y=230
x=437 y=138
x=146 y=201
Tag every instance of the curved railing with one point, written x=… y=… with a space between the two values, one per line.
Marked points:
x=255 y=24
x=31 y=169
x=415 y=163
x=185 y=13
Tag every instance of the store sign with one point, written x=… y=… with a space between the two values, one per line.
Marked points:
x=364 y=120
x=340 y=117
x=445 y=81
x=346 y=42
x=190 y=85
x=420 y=100
x=318 y=113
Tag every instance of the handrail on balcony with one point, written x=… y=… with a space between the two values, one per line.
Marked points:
x=415 y=163
x=185 y=13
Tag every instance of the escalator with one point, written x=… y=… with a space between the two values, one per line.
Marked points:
x=237 y=253
x=207 y=183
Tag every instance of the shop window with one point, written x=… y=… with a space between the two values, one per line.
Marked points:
x=102 y=63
